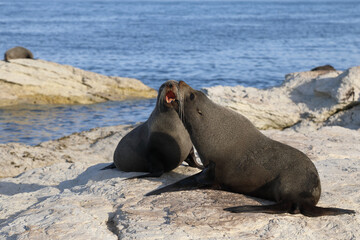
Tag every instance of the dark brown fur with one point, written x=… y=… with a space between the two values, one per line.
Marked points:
x=18 y=52
x=158 y=145
x=324 y=68
x=239 y=158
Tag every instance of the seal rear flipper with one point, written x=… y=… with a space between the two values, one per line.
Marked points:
x=287 y=207
x=111 y=166
x=203 y=179
x=314 y=211
x=276 y=208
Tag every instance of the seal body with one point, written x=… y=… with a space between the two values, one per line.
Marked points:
x=18 y=52
x=239 y=158
x=324 y=68
x=246 y=161
x=161 y=143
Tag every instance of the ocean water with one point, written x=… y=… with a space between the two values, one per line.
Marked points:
x=205 y=43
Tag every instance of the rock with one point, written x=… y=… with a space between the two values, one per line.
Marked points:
x=99 y=143
x=62 y=193
x=42 y=82
x=79 y=201
x=313 y=96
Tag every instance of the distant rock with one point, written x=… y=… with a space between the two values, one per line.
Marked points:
x=312 y=97
x=41 y=82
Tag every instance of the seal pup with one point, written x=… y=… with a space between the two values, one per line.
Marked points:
x=17 y=52
x=161 y=143
x=239 y=158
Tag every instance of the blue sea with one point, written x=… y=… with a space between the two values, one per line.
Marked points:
x=205 y=43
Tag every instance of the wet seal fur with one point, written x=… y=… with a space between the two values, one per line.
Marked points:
x=17 y=52
x=239 y=158
x=161 y=143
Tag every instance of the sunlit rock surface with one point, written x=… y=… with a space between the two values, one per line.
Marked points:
x=74 y=199
x=41 y=82
x=314 y=97
x=61 y=192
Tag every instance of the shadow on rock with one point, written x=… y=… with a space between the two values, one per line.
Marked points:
x=95 y=174
x=9 y=188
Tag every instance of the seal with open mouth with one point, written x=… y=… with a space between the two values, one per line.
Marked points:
x=161 y=143
x=239 y=158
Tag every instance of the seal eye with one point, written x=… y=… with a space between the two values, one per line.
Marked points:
x=192 y=96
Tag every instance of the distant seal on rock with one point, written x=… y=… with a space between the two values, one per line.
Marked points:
x=18 y=52
x=324 y=68
x=161 y=143
x=239 y=158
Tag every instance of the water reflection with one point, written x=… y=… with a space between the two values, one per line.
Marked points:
x=32 y=124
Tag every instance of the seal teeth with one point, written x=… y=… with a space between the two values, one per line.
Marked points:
x=170 y=97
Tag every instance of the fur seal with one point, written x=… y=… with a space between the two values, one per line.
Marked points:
x=324 y=68
x=18 y=52
x=161 y=143
x=239 y=158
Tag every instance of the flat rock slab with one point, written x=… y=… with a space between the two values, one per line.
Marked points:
x=93 y=146
x=42 y=82
x=77 y=200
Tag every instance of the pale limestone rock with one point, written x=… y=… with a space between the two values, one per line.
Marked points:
x=80 y=201
x=42 y=82
x=349 y=118
x=312 y=96
x=63 y=194
x=16 y=158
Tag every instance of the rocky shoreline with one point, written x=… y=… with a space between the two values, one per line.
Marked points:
x=62 y=193
x=42 y=82
x=321 y=98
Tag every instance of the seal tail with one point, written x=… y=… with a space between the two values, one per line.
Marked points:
x=287 y=207
x=203 y=179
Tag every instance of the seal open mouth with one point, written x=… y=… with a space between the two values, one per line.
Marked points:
x=170 y=97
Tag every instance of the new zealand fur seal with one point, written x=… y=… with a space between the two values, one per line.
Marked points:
x=239 y=158
x=18 y=52
x=161 y=143
x=324 y=68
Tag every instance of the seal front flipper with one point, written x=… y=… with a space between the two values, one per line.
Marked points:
x=203 y=179
x=156 y=168
x=191 y=160
x=152 y=174
x=111 y=166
